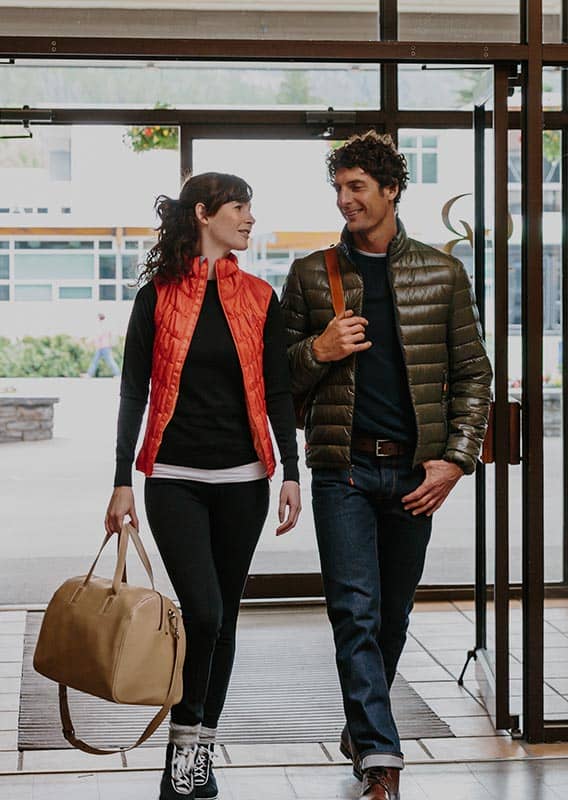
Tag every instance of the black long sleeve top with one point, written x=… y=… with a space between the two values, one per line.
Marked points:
x=383 y=407
x=209 y=428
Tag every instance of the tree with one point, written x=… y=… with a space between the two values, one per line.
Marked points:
x=295 y=90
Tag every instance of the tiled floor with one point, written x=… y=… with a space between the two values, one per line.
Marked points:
x=529 y=780
x=476 y=764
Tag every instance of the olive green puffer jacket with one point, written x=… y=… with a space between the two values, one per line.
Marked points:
x=449 y=374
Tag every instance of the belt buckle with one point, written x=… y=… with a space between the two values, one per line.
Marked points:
x=378 y=448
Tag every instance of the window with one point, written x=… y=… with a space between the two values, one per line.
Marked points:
x=4 y=292
x=60 y=165
x=4 y=267
x=129 y=292
x=58 y=266
x=75 y=293
x=39 y=291
x=38 y=244
x=130 y=267
x=422 y=156
x=107 y=292
x=107 y=267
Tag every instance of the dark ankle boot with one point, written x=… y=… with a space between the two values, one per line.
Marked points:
x=349 y=750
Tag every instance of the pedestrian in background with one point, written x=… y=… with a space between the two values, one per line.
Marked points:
x=103 y=348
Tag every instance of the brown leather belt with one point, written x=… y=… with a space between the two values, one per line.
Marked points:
x=378 y=447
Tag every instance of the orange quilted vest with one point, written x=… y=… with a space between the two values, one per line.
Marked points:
x=245 y=299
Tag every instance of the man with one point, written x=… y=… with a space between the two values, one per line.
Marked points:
x=397 y=393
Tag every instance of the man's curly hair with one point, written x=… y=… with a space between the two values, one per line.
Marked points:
x=376 y=155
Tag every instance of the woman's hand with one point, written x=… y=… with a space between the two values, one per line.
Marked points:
x=121 y=503
x=289 y=499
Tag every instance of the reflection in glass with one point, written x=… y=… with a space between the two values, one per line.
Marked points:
x=552 y=88
x=441 y=87
x=552 y=358
x=552 y=21
x=175 y=84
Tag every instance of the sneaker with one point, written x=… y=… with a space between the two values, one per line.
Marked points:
x=178 y=775
x=205 y=783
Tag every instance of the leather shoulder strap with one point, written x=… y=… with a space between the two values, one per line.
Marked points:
x=153 y=725
x=335 y=283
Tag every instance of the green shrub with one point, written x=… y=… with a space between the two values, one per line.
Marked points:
x=59 y=356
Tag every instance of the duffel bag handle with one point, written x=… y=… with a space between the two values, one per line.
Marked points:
x=127 y=532
x=153 y=725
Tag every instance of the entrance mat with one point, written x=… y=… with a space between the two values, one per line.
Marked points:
x=284 y=689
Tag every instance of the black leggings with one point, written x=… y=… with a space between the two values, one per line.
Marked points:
x=206 y=535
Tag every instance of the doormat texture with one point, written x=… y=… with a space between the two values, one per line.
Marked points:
x=284 y=689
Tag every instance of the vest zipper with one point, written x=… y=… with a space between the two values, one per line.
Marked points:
x=247 y=399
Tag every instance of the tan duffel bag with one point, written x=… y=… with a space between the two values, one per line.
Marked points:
x=119 y=642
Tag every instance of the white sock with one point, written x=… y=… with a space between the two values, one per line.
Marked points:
x=207 y=735
x=184 y=735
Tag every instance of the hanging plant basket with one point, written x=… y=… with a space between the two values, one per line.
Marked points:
x=156 y=137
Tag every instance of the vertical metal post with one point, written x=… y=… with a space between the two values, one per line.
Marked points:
x=501 y=332
x=186 y=151
x=532 y=399
x=388 y=20
x=479 y=283
x=564 y=273
x=388 y=32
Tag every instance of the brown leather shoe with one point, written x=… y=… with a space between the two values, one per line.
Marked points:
x=347 y=748
x=380 y=783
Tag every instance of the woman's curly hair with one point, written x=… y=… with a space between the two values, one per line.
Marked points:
x=178 y=232
x=376 y=155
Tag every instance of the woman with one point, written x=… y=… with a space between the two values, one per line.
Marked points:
x=209 y=339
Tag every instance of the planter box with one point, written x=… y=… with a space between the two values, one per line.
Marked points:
x=26 y=419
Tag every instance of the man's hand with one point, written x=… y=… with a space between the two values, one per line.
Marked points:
x=121 y=503
x=290 y=500
x=344 y=335
x=441 y=477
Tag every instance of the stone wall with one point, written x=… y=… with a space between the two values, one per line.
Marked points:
x=26 y=419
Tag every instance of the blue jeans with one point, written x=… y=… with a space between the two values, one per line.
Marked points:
x=106 y=353
x=372 y=555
